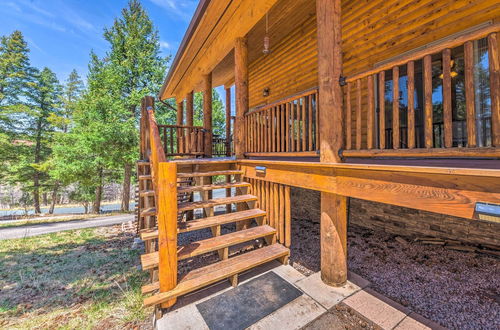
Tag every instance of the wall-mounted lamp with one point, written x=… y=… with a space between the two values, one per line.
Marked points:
x=487 y=211
x=266 y=92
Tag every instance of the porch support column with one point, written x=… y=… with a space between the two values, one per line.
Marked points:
x=241 y=85
x=228 y=121
x=207 y=113
x=189 y=109
x=331 y=128
x=180 y=112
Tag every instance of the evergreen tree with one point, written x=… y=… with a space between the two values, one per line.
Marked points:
x=14 y=71
x=72 y=92
x=139 y=68
x=90 y=153
x=42 y=102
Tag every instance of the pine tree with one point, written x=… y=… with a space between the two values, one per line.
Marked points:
x=139 y=68
x=14 y=71
x=72 y=92
x=42 y=102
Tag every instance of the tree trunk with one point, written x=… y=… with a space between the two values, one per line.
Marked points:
x=36 y=193
x=96 y=207
x=54 y=198
x=126 y=188
x=45 y=201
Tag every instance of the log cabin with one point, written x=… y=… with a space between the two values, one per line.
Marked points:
x=394 y=101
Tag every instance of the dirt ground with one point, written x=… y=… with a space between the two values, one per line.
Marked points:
x=459 y=290
x=341 y=317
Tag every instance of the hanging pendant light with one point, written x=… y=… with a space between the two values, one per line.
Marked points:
x=266 y=38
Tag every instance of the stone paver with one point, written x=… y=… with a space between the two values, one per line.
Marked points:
x=327 y=296
x=185 y=318
x=374 y=309
x=289 y=273
x=294 y=315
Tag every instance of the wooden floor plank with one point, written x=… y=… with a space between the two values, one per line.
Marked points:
x=211 y=173
x=213 y=273
x=150 y=260
x=208 y=222
x=215 y=202
x=188 y=189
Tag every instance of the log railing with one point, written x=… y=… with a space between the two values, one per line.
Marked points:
x=164 y=184
x=286 y=128
x=180 y=140
x=441 y=101
x=274 y=198
x=222 y=147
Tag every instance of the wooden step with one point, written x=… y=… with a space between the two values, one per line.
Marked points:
x=212 y=173
x=203 y=223
x=215 y=202
x=143 y=163
x=148 y=212
x=145 y=177
x=150 y=260
x=188 y=189
x=216 y=272
x=147 y=193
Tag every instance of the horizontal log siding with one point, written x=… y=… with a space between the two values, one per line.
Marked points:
x=290 y=68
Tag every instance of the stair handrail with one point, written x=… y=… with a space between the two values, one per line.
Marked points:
x=164 y=178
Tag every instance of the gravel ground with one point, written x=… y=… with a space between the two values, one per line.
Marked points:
x=459 y=290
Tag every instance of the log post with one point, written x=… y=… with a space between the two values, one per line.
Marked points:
x=207 y=113
x=228 y=121
x=167 y=228
x=331 y=128
x=241 y=85
x=190 y=109
x=180 y=113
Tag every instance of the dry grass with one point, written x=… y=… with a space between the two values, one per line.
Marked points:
x=81 y=279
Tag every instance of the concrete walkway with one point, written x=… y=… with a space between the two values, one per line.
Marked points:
x=46 y=228
x=311 y=310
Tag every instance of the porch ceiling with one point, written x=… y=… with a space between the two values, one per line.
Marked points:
x=209 y=41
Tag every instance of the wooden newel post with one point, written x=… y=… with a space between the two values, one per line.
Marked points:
x=207 y=113
x=241 y=85
x=167 y=228
x=331 y=128
x=189 y=109
x=180 y=113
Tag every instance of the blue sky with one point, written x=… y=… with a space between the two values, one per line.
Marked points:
x=61 y=33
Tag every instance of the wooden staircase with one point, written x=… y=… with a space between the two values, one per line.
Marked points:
x=196 y=178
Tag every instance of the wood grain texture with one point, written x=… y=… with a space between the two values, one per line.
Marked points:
x=333 y=237
x=241 y=85
x=428 y=101
x=470 y=94
x=381 y=105
x=411 y=104
x=447 y=111
x=395 y=108
x=331 y=123
x=494 y=69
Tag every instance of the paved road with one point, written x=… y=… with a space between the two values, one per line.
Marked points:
x=46 y=228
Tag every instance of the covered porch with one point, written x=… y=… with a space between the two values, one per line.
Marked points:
x=351 y=99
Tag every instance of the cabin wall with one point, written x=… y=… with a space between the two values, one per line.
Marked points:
x=377 y=30
x=290 y=68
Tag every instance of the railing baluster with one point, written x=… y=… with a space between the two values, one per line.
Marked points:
x=411 y=104
x=348 y=120
x=469 y=93
x=303 y=126
x=447 y=114
x=428 y=101
x=395 y=108
x=358 y=114
x=494 y=68
x=292 y=118
x=310 y=123
x=317 y=119
x=381 y=106
x=287 y=126
x=283 y=126
x=371 y=113
x=272 y=115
